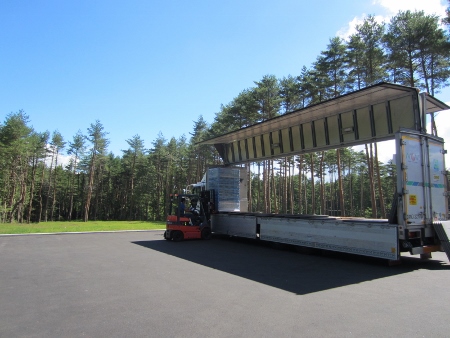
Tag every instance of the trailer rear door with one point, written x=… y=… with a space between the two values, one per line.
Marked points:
x=421 y=180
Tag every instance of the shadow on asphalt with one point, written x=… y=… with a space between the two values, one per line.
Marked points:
x=300 y=271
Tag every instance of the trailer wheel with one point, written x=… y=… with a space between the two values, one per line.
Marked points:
x=206 y=233
x=167 y=236
x=177 y=236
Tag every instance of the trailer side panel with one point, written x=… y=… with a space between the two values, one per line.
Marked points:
x=374 y=239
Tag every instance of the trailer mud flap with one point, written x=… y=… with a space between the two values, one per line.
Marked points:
x=442 y=231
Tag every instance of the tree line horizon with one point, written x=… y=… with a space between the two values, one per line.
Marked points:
x=412 y=50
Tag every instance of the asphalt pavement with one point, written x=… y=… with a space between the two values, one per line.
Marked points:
x=136 y=284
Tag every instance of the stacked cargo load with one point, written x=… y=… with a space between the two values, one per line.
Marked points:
x=225 y=183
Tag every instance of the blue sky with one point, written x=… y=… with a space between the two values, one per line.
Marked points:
x=150 y=67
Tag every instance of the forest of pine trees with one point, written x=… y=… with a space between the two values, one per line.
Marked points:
x=411 y=50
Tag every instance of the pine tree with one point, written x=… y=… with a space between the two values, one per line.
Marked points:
x=99 y=143
x=76 y=149
x=15 y=151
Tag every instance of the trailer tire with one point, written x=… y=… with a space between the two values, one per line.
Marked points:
x=206 y=233
x=177 y=236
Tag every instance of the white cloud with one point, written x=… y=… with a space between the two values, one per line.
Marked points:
x=63 y=160
x=350 y=29
x=390 y=8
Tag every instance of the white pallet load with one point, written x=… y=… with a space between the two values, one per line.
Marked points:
x=225 y=182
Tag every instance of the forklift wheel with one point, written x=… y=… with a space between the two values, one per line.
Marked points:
x=206 y=233
x=177 y=236
x=166 y=237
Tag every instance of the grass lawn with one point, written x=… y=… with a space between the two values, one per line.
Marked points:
x=78 y=226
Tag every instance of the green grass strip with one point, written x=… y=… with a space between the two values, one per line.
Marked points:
x=78 y=226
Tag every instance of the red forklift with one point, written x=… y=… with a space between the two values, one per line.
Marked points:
x=189 y=217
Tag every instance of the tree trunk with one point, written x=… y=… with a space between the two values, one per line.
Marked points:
x=285 y=198
x=341 y=188
x=291 y=184
x=49 y=186
x=300 y=169
x=274 y=188
x=266 y=180
x=361 y=205
x=305 y=191
x=19 y=204
x=380 y=190
x=313 y=192
x=322 y=185
x=33 y=179
x=249 y=190
x=69 y=217
x=350 y=188
x=55 y=185
x=258 y=202
x=371 y=182
x=90 y=187
x=12 y=195
x=40 y=192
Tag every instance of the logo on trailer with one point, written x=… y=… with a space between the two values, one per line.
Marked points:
x=412 y=157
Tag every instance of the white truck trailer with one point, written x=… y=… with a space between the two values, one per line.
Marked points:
x=418 y=221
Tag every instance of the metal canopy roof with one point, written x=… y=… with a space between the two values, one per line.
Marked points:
x=368 y=115
x=378 y=93
x=434 y=105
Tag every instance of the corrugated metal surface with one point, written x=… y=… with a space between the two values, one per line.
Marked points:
x=371 y=114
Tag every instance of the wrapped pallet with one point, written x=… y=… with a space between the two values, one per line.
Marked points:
x=225 y=183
